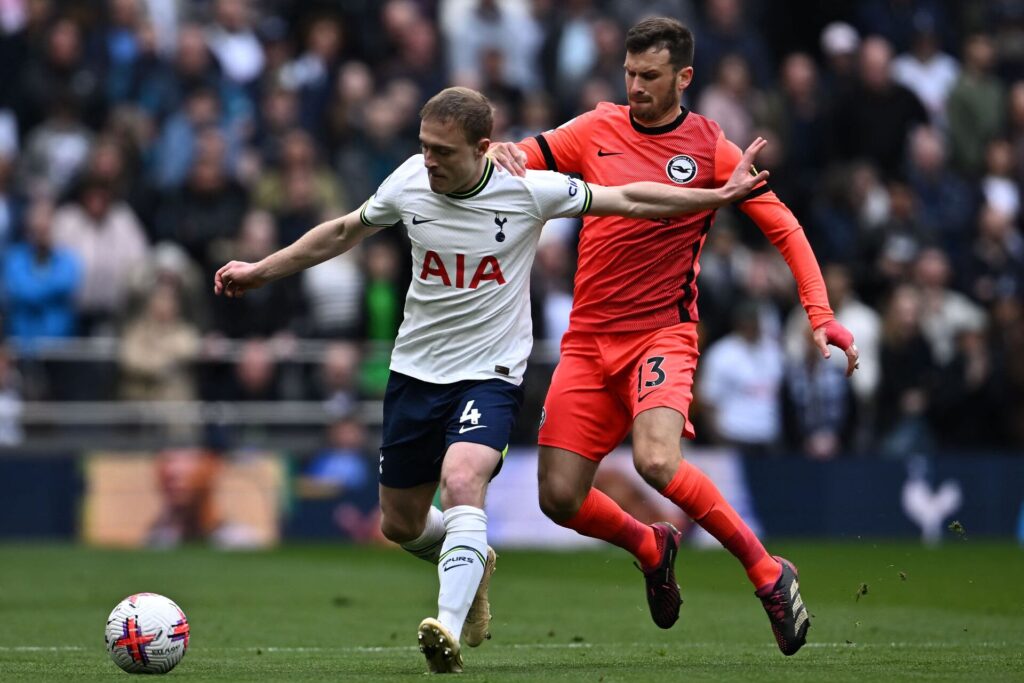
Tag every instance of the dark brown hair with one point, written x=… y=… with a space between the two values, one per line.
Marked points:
x=662 y=33
x=470 y=110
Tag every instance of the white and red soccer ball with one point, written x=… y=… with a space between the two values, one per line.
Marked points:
x=147 y=633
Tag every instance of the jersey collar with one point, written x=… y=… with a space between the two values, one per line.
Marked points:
x=660 y=130
x=478 y=188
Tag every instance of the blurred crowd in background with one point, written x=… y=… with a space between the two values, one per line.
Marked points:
x=144 y=143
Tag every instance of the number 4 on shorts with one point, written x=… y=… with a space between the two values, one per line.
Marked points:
x=470 y=414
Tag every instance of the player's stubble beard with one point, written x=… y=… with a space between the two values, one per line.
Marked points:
x=654 y=113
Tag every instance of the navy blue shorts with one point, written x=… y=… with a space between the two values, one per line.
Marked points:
x=421 y=420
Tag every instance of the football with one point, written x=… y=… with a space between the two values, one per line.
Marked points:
x=147 y=633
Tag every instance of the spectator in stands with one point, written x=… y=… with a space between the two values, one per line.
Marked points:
x=335 y=291
x=257 y=376
x=976 y=108
x=874 y=119
x=312 y=74
x=107 y=238
x=944 y=311
x=59 y=66
x=337 y=379
x=418 y=59
x=41 y=281
x=207 y=210
x=353 y=90
x=854 y=315
x=728 y=30
x=969 y=411
x=382 y=312
x=994 y=266
x=157 y=349
x=270 y=310
x=345 y=463
x=926 y=70
x=724 y=263
x=11 y=204
x=279 y=114
x=608 y=37
x=168 y=91
x=732 y=100
x=739 y=385
x=1008 y=346
x=365 y=161
x=908 y=376
x=796 y=112
x=123 y=42
x=946 y=203
x=233 y=41
x=886 y=252
x=178 y=148
x=56 y=149
x=300 y=190
x=818 y=409
x=999 y=186
x=899 y=22
x=471 y=26
x=840 y=44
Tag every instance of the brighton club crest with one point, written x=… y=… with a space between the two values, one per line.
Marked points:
x=681 y=169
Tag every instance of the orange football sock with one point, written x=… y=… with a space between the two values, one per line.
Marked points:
x=601 y=517
x=701 y=500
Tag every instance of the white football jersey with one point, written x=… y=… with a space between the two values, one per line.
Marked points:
x=467 y=314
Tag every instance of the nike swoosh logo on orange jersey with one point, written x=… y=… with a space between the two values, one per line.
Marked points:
x=602 y=153
x=641 y=398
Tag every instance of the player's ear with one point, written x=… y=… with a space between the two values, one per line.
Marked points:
x=684 y=77
x=482 y=146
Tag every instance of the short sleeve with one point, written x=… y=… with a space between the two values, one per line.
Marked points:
x=557 y=195
x=383 y=209
x=559 y=149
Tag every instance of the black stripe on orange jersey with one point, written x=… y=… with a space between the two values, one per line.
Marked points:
x=545 y=149
x=687 y=286
x=756 y=192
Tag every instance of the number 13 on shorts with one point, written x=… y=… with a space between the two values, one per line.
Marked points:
x=649 y=376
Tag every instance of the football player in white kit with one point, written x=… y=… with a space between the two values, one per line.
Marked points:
x=454 y=391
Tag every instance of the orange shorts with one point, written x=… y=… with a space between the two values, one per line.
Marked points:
x=603 y=381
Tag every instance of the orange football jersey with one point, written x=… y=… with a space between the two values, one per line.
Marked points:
x=638 y=274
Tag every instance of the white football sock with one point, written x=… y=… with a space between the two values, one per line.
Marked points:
x=463 y=557
x=428 y=545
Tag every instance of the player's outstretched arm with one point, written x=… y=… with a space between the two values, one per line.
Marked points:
x=658 y=200
x=323 y=242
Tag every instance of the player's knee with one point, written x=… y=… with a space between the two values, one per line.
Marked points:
x=559 y=501
x=657 y=464
x=462 y=487
x=399 y=530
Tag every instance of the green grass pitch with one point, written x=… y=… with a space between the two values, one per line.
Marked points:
x=955 y=613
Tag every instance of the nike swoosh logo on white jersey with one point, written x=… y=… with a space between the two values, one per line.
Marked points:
x=463 y=429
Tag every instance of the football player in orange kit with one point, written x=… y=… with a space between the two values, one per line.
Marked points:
x=628 y=358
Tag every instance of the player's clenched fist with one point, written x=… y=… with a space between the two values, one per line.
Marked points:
x=234 y=278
